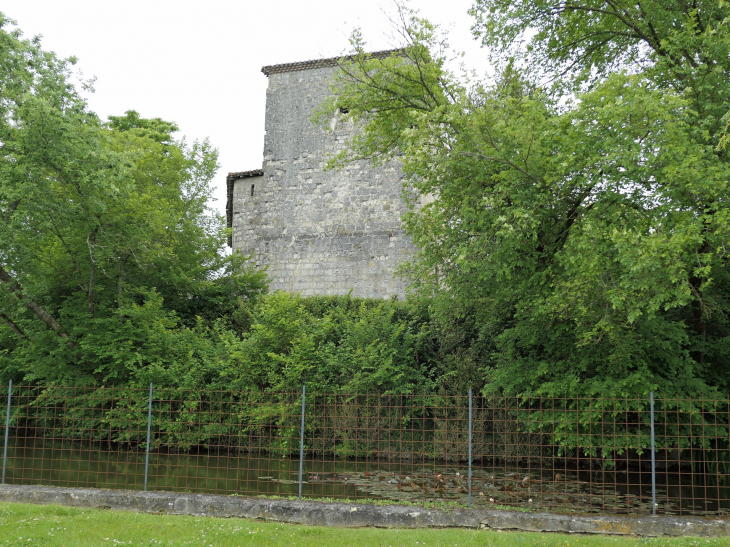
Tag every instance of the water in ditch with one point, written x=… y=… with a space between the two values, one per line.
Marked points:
x=40 y=462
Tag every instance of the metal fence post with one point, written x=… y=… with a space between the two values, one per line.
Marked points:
x=653 y=457
x=149 y=425
x=7 y=430
x=301 y=442
x=469 y=448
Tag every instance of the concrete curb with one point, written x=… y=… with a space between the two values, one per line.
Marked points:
x=354 y=515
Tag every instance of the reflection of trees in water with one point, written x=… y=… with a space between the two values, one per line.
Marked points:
x=36 y=461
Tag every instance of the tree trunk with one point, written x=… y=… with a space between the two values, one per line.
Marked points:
x=92 y=272
x=698 y=316
x=90 y=292
x=120 y=280
x=11 y=209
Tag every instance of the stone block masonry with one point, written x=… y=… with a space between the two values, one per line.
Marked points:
x=317 y=232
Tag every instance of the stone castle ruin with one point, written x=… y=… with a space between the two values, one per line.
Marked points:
x=317 y=232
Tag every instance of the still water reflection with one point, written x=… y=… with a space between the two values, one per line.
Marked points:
x=43 y=462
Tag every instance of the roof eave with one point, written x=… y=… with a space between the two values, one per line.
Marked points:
x=230 y=181
x=324 y=63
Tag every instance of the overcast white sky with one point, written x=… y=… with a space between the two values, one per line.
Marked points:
x=199 y=63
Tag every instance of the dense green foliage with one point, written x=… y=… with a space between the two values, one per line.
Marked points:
x=579 y=212
x=109 y=255
x=282 y=341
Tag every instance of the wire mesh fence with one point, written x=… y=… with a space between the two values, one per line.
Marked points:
x=555 y=454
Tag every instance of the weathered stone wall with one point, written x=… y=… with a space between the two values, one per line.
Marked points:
x=318 y=232
x=315 y=513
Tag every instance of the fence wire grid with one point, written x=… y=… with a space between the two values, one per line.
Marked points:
x=538 y=454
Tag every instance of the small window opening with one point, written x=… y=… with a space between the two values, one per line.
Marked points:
x=252 y=190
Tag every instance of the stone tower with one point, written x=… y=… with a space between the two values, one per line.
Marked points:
x=317 y=232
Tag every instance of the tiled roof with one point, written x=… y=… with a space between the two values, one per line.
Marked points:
x=230 y=179
x=322 y=63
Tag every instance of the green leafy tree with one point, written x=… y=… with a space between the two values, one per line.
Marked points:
x=576 y=202
x=97 y=222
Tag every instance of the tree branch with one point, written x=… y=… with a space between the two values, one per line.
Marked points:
x=15 y=328
x=33 y=306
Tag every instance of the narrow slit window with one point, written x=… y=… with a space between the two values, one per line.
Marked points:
x=252 y=190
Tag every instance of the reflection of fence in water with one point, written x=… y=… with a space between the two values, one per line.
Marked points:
x=588 y=455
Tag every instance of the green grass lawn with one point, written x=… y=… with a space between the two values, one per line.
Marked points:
x=56 y=525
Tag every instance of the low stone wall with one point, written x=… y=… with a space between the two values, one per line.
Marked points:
x=354 y=515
